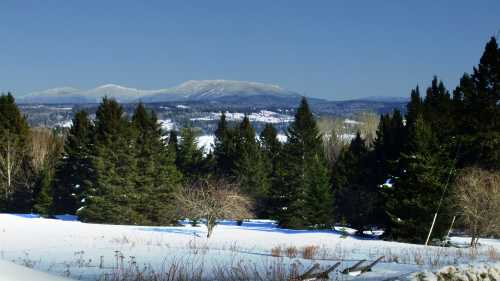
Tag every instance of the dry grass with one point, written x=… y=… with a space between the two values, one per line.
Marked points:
x=276 y=251
x=493 y=254
x=186 y=270
x=309 y=252
x=291 y=251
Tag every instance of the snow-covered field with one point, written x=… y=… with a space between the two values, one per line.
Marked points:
x=87 y=251
x=264 y=116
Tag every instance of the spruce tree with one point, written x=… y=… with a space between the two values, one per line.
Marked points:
x=271 y=149
x=43 y=193
x=355 y=189
x=189 y=156
x=477 y=107
x=74 y=173
x=15 y=159
x=306 y=198
x=157 y=176
x=415 y=196
x=112 y=198
x=225 y=148
x=250 y=170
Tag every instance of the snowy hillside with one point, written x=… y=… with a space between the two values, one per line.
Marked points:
x=87 y=251
x=214 y=89
x=194 y=90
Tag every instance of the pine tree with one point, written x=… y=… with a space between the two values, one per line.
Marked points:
x=74 y=174
x=15 y=159
x=173 y=142
x=477 y=107
x=415 y=196
x=189 y=156
x=225 y=148
x=271 y=149
x=414 y=107
x=388 y=145
x=157 y=176
x=305 y=193
x=356 y=196
x=43 y=197
x=250 y=170
x=438 y=110
x=112 y=198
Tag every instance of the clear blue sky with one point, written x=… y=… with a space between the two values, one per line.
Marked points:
x=329 y=49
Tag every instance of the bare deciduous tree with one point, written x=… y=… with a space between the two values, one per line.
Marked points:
x=368 y=126
x=46 y=147
x=214 y=200
x=11 y=157
x=478 y=199
x=335 y=138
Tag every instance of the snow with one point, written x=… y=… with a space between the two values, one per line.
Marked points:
x=13 y=272
x=70 y=247
x=167 y=124
x=264 y=116
x=351 y=122
x=65 y=124
x=206 y=142
x=472 y=272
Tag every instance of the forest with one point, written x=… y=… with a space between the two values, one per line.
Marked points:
x=121 y=169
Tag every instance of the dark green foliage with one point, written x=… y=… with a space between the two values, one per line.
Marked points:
x=477 y=101
x=189 y=156
x=304 y=189
x=388 y=145
x=271 y=150
x=225 y=148
x=157 y=177
x=250 y=167
x=415 y=196
x=112 y=196
x=43 y=191
x=74 y=173
x=16 y=190
x=356 y=197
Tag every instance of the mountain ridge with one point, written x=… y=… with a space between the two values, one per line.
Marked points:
x=192 y=90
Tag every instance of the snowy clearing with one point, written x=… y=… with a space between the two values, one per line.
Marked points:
x=87 y=251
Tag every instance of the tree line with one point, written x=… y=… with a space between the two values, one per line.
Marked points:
x=126 y=170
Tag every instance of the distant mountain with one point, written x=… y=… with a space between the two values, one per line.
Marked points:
x=384 y=99
x=194 y=90
x=197 y=90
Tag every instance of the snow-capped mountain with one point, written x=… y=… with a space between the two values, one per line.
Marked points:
x=194 y=90
x=216 y=89
x=121 y=93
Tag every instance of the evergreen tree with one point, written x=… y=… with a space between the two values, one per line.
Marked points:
x=189 y=156
x=250 y=170
x=477 y=107
x=15 y=160
x=414 y=107
x=271 y=149
x=356 y=196
x=157 y=176
x=173 y=142
x=305 y=193
x=225 y=148
x=414 y=198
x=388 y=145
x=112 y=197
x=43 y=191
x=74 y=174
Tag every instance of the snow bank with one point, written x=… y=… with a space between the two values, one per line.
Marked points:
x=13 y=272
x=484 y=272
x=86 y=251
